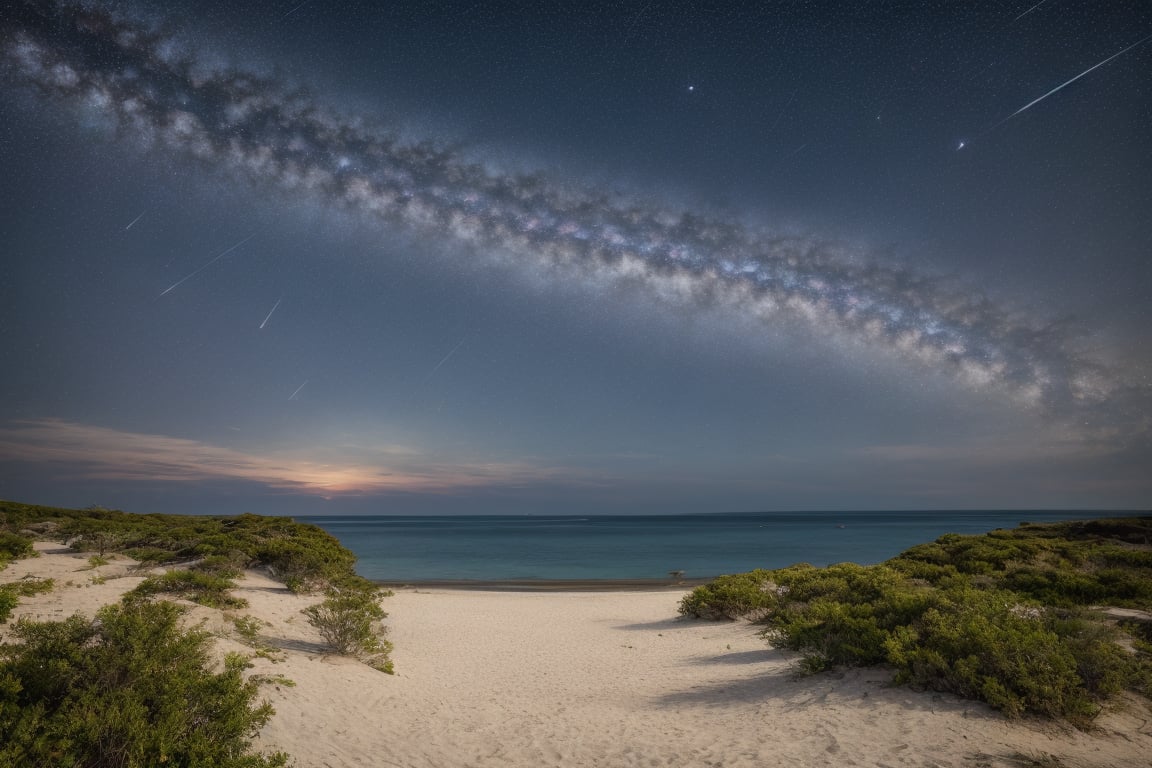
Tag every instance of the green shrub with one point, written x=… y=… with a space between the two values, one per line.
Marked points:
x=996 y=617
x=305 y=565
x=13 y=546
x=249 y=629
x=229 y=566
x=151 y=556
x=349 y=621
x=842 y=614
x=97 y=560
x=988 y=645
x=738 y=596
x=1062 y=564
x=127 y=690
x=304 y=557
x=202 y=588
x=8 y=602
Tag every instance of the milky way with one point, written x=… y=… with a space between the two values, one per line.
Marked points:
x=256 y=128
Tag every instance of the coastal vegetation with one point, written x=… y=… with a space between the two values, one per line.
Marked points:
x=304 y=557
x=196 y=587
x=129 y=689
x=1010 y=617
x=349 y=621
x=134 y=687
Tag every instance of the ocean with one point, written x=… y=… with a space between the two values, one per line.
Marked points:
x=512 y=548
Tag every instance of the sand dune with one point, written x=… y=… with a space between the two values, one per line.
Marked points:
x=595 y=679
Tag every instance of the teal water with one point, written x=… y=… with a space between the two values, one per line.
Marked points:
x=487 y=547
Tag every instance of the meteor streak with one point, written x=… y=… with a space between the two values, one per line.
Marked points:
x=446 y=357
x=293 y=395
x=1034 y=102
x=1029 y=11
x=210 y=263
x=270 y=313
x=296 y=8
x=134 y=221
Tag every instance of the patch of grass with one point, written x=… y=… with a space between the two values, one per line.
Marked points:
x=248 y=628
x=97 y=560
x=11 y=593
x=287 y=682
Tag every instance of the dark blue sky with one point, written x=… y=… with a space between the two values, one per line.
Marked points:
x=557 y=257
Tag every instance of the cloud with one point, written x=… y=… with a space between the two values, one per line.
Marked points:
x=83 y=452
x=984 y=453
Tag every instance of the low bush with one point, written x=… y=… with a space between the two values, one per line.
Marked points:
x=203 y=588
x=129 y=689
x=305 y=557
x=151 y=556
x=349 y=621
x=736 y=596
x=14 y=546
x=842 y=615
x=987 y=645
x=8 y=603
x=997 y=617
x=229 y=566
x=305 y=565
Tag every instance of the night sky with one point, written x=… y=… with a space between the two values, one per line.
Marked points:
x=554 y=257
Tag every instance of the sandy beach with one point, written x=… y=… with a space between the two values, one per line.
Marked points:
x=494 y=678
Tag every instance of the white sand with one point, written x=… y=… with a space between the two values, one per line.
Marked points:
x=596 y=679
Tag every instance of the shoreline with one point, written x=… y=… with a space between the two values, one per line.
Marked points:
x=545 y=585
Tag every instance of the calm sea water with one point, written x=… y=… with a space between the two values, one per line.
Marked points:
x=392 y=548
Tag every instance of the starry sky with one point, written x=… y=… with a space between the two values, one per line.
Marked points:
x=601 y=257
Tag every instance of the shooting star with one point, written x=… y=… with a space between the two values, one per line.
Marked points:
x=1029 y=11
x=293 y=395
x=134 y=221
x=201 y=269
x=446 y=357
x=270 y=313
x=794 y=152
x=1034 y=102
x=298 y=7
